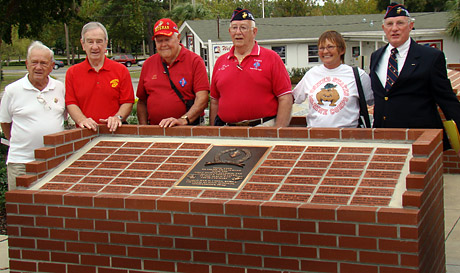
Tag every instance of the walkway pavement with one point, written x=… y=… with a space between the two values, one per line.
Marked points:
x=452 y=222
x=452 y=226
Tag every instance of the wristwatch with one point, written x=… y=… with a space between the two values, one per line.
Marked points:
x=186 y=118
x=120 y=117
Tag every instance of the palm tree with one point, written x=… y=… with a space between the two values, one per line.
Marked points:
x=453 y=27
x=189 y=11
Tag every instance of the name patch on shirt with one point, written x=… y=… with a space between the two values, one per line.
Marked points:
x=223 y=67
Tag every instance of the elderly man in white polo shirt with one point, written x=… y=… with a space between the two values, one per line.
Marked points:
x=31 y=107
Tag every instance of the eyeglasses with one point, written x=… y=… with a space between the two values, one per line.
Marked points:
x=243 y=28
x=42 y=63
x=399 y=23
x=42 y=100
x=329 y=48
x=97 y=42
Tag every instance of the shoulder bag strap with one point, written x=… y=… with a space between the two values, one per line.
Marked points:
x=172 y=84
x=362 y=99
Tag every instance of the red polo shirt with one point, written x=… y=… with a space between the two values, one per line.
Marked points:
x=98 y=94
x=187 y=72
x=249 y=90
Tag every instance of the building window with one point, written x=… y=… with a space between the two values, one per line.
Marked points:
x=281 y=50
x=204 y=55
x=355 y=51
x=313 y=56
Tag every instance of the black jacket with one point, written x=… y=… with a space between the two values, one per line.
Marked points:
x=413 y=99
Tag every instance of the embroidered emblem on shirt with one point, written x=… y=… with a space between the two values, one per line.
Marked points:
x=256 y=65
x=114 y=82
x=182 y=82
x=56 y=100
x=154 y=77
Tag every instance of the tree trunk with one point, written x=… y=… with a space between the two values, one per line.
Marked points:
x=66 y=29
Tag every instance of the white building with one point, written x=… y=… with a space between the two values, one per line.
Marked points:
x=295 y=38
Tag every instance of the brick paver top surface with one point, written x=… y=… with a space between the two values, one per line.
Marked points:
x=350 y=173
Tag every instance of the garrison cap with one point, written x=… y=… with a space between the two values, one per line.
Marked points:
x=242 y=14
x=395 y=10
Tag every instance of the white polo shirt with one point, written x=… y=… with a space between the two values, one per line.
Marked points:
x=34 y=114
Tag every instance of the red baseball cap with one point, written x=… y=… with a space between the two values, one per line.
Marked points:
x=165 y=27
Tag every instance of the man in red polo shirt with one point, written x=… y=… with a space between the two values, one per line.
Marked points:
x=98 y=90
x=181 y=97
x=250 y=85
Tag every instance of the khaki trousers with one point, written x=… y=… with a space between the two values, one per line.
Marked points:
x=14 y=170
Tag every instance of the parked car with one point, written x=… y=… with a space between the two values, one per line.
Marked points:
x=140 y=63
x=58 y=64
x=126 y=59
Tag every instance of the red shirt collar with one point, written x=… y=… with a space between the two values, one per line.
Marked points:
x=254 y=52
x=105 y=66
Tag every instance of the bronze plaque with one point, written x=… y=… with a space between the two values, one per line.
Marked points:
x=224 y=167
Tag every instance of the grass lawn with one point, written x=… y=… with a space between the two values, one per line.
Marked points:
x=135 y=74
x=7 y=79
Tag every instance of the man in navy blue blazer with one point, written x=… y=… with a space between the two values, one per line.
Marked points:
x=410 y=100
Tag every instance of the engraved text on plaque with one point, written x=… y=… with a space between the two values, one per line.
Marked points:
x=224 y=167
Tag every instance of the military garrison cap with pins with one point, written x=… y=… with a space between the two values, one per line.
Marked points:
x=395 y=10
x=242 y=14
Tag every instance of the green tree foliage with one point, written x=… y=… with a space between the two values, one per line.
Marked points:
x=16 y=49
x=224 y=8
x=188 y=11
x=416 y=5
x=31 y=16
x=343 y=7
x=131 y=22
x=124 y=22
x=288 y=8
x=453 y=27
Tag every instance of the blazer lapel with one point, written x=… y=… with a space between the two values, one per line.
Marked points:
x=411 y=63
x=378 y=56
x=373 y=74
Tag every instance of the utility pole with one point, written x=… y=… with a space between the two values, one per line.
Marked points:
x=263 y=9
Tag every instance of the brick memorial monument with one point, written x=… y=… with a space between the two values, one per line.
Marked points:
x=220 y=199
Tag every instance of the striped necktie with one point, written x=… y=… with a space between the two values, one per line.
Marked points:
x=392 y=71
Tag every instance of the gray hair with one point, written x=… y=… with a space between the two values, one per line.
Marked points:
x=40 y=46
x=409 y=19
x=253 y=23
x=93 y=25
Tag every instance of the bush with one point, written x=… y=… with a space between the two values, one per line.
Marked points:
x=132 y=118
x=296 y=74
x=14 y=63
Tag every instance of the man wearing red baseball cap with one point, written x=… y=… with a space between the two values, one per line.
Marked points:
x=173 y=85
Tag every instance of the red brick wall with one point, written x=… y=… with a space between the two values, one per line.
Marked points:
x=79 y=232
